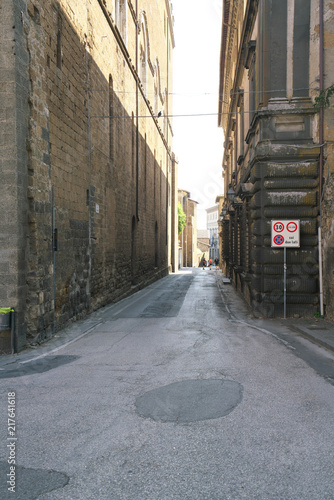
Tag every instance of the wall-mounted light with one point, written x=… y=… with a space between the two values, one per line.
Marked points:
x=223 y=213
x=231 y=194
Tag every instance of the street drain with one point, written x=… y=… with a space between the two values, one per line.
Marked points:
x=190 y=400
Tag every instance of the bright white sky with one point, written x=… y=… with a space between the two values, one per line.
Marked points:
x=197 y=142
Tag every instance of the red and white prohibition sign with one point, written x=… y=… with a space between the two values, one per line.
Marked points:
x=278 y=227
x=292 y=227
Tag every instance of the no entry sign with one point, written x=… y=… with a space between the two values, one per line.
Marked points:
x=285 y=233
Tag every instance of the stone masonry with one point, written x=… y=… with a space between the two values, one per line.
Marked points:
x=277 y=163
x=88 y=191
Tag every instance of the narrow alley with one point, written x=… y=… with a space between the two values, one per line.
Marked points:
x=173 y=393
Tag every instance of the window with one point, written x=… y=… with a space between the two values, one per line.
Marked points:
x=142 y=63
x=120 y=17
x=143 y=56
x=117 y=13
x=240 y=123
x=111 y=119
x=156 y=88
x=59 y=42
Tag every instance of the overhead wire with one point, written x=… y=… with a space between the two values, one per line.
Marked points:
x=188 y=115
x=192 y=94
x=194 y=115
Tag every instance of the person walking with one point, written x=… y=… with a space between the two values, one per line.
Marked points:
x=210 y=263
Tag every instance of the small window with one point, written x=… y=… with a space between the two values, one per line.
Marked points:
x=120 y=17
x=111 y=118
x=143 y=60
x=156 y=87
x=59 y=42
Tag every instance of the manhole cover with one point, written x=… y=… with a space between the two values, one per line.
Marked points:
x=190 y=400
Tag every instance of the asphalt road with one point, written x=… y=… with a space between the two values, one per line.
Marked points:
x=173 y=393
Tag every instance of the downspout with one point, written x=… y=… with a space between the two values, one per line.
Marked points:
x=137 y=115
x=167 y=109
x=321 y=141
x=89 y=138
x=53 y=260
x=321 y=111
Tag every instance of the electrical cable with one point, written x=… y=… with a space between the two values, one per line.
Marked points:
x=210 y=93
x=190 y=115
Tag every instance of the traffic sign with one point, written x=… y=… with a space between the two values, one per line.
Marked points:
x=278 y=227
x=291 y=227
x=278 y=239
x=285 y=233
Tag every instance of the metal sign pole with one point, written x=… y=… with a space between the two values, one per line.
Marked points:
x=284 y=282
x=285 y=233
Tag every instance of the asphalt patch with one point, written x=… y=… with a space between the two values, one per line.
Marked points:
x=190 y=400
x=41 y=365
x=30 y=483
x=168 y=303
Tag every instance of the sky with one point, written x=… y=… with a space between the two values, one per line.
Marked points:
x=197 y=141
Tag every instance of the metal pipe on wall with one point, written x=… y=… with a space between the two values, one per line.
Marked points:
x=167 y=152
x=321 y=86
x=137 y=114
x=321 y=141
x=89 y=138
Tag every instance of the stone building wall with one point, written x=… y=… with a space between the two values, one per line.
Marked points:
x=94 y=202
x=183 y=197
x=327 y=206
x=14 y=145
x=191 y=229
x=272 y=156
x=188 y=237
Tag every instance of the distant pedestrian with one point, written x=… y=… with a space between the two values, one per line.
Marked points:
x=210 y=263
x=204 y=264
x=216 y=262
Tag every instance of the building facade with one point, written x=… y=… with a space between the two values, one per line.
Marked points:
x=188 y=237
x=220 y=201
x=89 y=190
x=203 y=246
x=276 y=60
x=212 y=217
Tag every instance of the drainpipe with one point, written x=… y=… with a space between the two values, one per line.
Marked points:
x=90 y=150
x=167 y=152
x=137 y=115
x=54 y=248
x=321 y=141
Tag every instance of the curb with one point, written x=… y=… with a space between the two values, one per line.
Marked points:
x=327 y=343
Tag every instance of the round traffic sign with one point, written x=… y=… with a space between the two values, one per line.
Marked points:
x=278 y=227
x=278 y=240
x=291 y=227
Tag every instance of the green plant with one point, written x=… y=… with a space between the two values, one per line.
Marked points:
x=181 y=218
x=322 y=101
